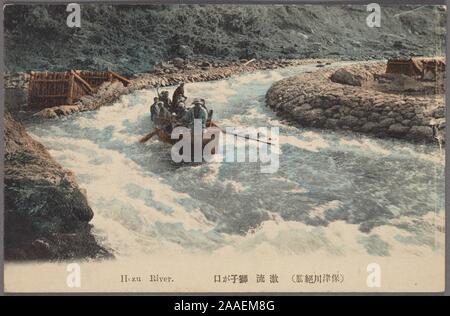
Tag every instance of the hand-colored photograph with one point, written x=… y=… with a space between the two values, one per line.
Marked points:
x=224 y=148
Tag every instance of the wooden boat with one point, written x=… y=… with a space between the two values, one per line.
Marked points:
x=212 y=135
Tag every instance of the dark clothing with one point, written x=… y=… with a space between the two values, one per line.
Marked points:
x=196 y=113
x=178 y=96
x=164 y=120
x=166 y=101
x=154 y=111
x=179 y=109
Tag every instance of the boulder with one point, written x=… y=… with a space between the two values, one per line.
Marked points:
x=370 y=127
x=350 y=121
x=387 y=122
x=46 y=214
x=374 y=117
x=420 y=133
x=48 y=113
x=344 y=76
x=397 y=129
x=64 y=110
x=406 y=122
x=331 y=123
x=303 y=107
x=312 y=117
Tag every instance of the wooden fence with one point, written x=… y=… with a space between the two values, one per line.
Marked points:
x=96 y=78
x=422 y=67
x=47 y=89
x=407 y=67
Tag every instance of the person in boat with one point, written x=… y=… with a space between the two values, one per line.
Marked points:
x=196 y=112
x=178 y=95
x=164 y=119
x=179 y=110
x=164 y=97
x=204 y=105
x=154 y=109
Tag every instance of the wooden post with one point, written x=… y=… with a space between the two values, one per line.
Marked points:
x=70 y=88
x=30 y=90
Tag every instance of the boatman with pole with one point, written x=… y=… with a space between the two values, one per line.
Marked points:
x=178 y=95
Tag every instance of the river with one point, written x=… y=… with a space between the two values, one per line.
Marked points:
x=334 y=192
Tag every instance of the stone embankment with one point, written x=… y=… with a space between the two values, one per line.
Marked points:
x=350 y=99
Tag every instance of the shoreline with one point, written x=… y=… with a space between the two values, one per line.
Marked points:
x=49 y=211
x=356 y=104
x=165 y=74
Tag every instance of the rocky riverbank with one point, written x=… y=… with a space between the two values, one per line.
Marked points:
x=164 y=74
x=349 y=99
x=46 y=213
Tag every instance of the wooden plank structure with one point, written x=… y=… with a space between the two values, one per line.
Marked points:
x=421 y=67
x=47 y=89
x=403 y=66
x=433 y=67
x=97 y=78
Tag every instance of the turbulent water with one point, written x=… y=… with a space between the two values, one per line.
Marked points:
x=334 y=192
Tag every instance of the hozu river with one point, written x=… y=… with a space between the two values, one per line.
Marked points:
x=337 y=193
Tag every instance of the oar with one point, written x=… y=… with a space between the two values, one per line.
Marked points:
x=246 y=137
x=148 y=136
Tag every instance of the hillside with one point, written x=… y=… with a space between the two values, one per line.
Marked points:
x=131 y=39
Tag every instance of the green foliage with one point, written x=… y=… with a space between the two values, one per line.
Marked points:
x=129 y=38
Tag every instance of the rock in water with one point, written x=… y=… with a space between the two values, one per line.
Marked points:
x=344 y=76
x=46 y=213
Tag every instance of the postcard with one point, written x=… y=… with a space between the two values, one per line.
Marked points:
x=232 y=148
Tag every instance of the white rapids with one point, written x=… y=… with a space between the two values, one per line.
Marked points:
x=334 y=192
